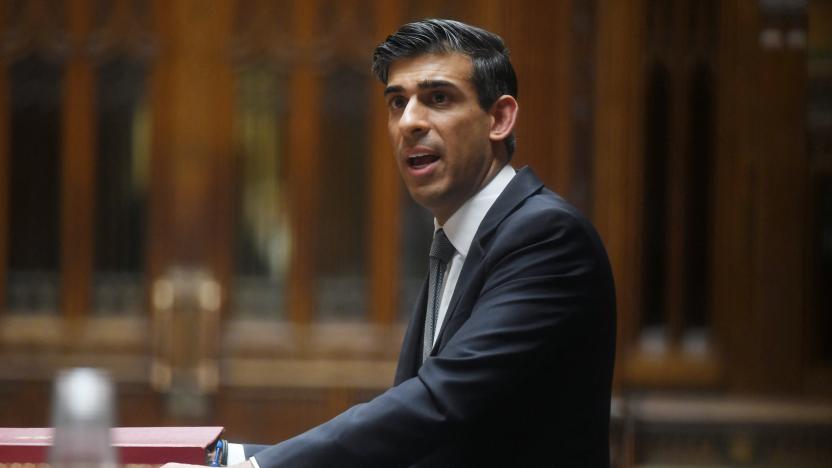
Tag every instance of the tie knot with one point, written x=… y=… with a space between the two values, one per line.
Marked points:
x=441 y=248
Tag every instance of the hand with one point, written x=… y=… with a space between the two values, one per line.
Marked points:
x=245 y=464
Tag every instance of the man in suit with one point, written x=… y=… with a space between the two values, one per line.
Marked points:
x=508 y=357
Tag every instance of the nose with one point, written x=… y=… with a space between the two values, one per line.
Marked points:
x=413 y=122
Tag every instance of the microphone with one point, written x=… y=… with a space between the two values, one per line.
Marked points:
x=82 y=415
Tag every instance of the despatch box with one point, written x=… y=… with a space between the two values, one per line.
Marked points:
x=134 y=445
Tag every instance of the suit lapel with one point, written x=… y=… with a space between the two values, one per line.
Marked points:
x=524 y=184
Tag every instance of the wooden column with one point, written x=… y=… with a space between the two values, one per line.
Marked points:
x=384 y=236
x=735 y=148
x=539 y=34
x=5 y=157
x=77 y=166
x=220 y=256
x=781 y=229
x=160 y=185
x=189 y=246
x=819 y=321
x=760 y=227
x=617 y=175
x=192 y=96
x=304 y=165
x=677 y=57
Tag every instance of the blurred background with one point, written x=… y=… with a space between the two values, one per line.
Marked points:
x=189 y=190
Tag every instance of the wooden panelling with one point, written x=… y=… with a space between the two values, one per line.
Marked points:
x=77 y=166
x=582 y=100
x=735 y=146
x=540 y=36
x=676 y=57
x=190 y=193
x=780 y=229
x=818 y=326
x=28 y=402
x=760 y=202
x=617 y=174
x=673 y=370
x=680 y=47
x=309 y=373
x=304 y=162
x=160 y=178
x=724 y=431
x=5 y=158
x=269 y=416
x=488 y=14
x=221 y=190
x=384 y=233
x=192 y=101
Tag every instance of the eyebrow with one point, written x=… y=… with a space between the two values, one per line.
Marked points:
x=392 y=89
x=424 y=84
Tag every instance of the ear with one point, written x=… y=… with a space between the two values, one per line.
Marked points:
x=503 y=116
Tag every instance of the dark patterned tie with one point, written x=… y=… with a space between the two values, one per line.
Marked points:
x=441 y=252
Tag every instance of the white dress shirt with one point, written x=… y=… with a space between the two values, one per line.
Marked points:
x=460 y=229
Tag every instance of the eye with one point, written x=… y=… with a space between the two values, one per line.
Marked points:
x=396 y=102
x=439 y=98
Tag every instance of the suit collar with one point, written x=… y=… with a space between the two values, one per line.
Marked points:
x=524 y=184
x=462 y=226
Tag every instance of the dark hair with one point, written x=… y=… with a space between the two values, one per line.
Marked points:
x=493 y=75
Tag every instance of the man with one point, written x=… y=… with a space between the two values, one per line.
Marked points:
x=508 y=357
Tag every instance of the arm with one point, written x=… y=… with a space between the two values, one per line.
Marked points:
x=539 y=290
x=245 y=464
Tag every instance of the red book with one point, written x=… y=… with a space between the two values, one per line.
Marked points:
x=143 y=445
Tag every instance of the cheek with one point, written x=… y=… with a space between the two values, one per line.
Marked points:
x=473 y=122
x=471 y=138
x=391 y=131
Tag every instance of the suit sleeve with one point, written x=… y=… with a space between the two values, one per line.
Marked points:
x=540 y=284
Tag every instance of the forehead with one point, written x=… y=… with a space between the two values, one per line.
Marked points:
x=453 y=67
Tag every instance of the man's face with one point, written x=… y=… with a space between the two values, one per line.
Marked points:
x=439 y=132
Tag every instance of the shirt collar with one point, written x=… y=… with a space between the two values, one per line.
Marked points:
x=463 y=224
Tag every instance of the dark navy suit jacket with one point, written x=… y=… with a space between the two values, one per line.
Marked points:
x=521 y=371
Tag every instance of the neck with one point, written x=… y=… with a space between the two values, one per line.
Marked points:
x=442 y=217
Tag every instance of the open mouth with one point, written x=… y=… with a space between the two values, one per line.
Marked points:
x=421 y=160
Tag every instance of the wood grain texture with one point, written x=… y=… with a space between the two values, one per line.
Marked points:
x=760 y=227
x=191 y=180
x=539 y=34
x=384 y=233
x=77 y=193
x=5 y=158
x=618 y=168
x=304 y=164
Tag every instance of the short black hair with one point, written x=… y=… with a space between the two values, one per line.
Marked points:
x=493 y=75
